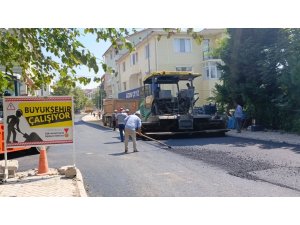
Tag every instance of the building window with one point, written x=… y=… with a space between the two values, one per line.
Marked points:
x=182 y=45
x=147 y=51
x=211 y=71
x=206 y=72
x=111 y=55
x=205 y=44
x=184 y=68
x=206 y=49
x=134 y=59
x=124 y=86
x=124 y=66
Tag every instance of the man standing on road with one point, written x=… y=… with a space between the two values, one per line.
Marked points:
x=238 y=114
x=121 y=124
x=132 y=123
x=114 y=119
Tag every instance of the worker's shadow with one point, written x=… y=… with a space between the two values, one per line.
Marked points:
x=97 y=126
x=120 y=153
x=112 y=142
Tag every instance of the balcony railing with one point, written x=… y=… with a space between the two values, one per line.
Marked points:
x=207 y=55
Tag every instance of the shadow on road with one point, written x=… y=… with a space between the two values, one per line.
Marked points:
x=96 y=126
x=112 y=142
x=121 y=153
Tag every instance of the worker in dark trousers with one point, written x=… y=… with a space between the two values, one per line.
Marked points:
x=121 y=124
x=114 y=119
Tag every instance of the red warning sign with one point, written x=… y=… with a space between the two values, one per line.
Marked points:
x=11 y=107
x=66 y=132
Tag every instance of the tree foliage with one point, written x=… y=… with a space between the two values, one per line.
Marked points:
x=98 y=98
x=288 y=102
x=59 y=89
x=261 y=71
x=79 y=99
x=45 y=54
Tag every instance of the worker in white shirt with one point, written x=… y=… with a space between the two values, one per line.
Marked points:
x=132 y=123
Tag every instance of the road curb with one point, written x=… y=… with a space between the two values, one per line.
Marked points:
x=80 y=184
x=274 y=140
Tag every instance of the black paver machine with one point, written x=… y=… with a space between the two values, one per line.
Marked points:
x=169 y=106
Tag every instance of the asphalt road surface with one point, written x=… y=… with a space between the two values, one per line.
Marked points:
x=198 y=166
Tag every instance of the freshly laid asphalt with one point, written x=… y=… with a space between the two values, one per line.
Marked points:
x=53 y=184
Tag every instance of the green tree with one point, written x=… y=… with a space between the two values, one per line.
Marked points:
x=45 y=54
x=250 y=73
x=289 y=102
x=79 y=99
x=89 y=103
x=98 y=98
x=59 y=89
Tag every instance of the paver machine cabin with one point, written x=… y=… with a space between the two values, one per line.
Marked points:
x=169 y=106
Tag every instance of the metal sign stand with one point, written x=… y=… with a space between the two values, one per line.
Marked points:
x=6 y=166
x=73 y=118
x=5 y=156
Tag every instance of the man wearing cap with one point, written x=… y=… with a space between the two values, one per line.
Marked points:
x=132 y=123
x=121 y=124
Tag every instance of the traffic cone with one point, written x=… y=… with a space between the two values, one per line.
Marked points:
x=43 y=162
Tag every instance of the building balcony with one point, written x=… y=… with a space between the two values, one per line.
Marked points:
x=209 y=56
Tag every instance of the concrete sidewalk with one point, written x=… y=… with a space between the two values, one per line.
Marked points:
x=54 y=184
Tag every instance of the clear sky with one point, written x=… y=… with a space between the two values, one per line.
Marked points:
x=98 y=49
